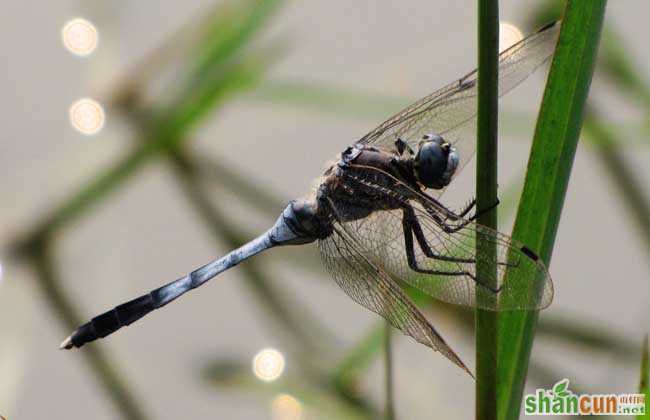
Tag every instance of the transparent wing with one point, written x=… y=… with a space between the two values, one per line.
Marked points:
x=371 y=287
x=411 y=245
x=451 y=111
x=519 y=282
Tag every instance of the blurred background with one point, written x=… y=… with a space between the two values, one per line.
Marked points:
x=140 y=140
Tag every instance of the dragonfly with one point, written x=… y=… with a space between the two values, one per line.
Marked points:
x=378 y=222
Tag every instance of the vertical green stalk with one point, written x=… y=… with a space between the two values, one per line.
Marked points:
x=389 y=410
x=549 y=167
x=486 y=197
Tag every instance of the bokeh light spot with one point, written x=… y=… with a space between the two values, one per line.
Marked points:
x=268 y=364
x=79 y=37
x=509 y=35
x=286 y=407
x=87 y=116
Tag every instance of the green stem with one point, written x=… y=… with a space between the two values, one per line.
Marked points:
x=549 y=167
x=486 y=197
x=388 y=366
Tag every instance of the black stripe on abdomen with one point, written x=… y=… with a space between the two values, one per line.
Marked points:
x=111 y=321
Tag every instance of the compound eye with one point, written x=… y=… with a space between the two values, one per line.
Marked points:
x=433 y=137
x=430 y=164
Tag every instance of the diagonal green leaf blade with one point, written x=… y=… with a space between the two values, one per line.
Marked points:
x=549 y=167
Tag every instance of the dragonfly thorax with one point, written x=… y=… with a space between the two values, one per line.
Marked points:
x=435 y=162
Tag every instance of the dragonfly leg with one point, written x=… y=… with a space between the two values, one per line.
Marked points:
x=440 y=209
x=452 y=228
x=453 y=216
x=440 y=213
x=416 y=228
x=461 y=215
x=468 y=208
x=480 y=212
x=409 y=223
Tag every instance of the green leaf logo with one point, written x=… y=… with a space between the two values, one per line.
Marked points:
x=560 y=389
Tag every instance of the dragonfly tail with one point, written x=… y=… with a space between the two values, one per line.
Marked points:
x=107 y=323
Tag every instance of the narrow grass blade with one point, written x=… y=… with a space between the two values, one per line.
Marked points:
x=549 y=167
x=233 y=26
x=486 y=198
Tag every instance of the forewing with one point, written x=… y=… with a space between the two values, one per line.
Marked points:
x=451 y=111
x=367 y=284
x=520 y=281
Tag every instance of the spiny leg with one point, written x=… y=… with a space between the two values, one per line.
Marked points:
x=432 y=205
x=468 y=208
x=449 y=214
x=455 y=216
x=446 y=211
x=441 y=213
x=463 y=213
x=447 y=227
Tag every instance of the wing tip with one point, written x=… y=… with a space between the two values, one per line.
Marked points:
x=458 y=362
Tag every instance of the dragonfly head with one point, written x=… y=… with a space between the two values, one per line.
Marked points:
x=435 y=162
